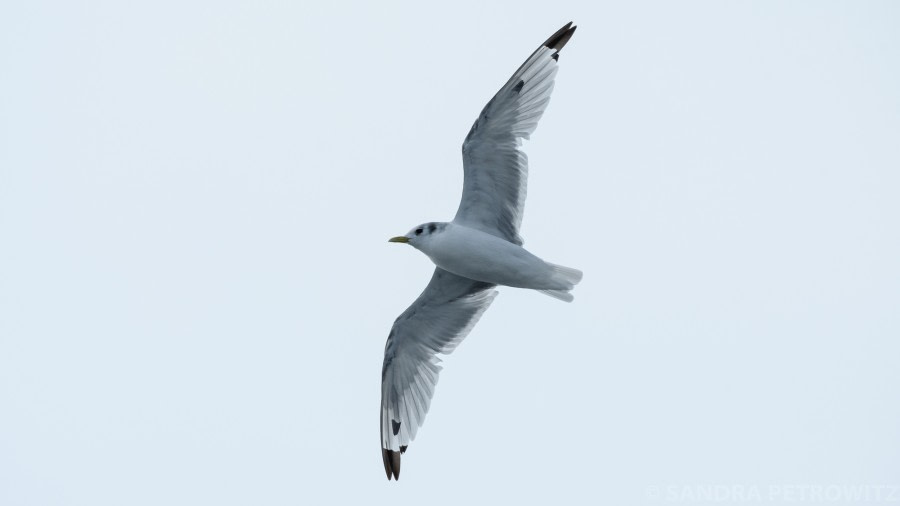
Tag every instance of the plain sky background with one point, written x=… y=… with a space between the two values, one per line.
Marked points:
x=196 y=284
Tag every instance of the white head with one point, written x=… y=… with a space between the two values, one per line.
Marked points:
x=421 y=235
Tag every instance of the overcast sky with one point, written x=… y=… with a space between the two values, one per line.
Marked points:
x=196 y=283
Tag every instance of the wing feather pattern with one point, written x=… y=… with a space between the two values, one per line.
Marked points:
x=435 y=323
x=495 y=168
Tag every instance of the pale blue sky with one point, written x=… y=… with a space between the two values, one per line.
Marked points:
x=195 y=283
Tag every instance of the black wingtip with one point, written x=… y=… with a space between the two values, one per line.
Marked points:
x=558 y=40
x=391 y=463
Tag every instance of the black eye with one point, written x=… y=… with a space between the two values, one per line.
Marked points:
x=418 y=231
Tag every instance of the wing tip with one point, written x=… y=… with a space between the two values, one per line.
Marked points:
x=391 y=460
x=559 y=39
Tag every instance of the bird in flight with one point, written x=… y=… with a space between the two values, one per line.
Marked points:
x=478 y=250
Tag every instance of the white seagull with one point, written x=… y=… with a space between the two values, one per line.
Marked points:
x=478 y=250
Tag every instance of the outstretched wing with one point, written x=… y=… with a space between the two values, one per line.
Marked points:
x=435 y=323
x=496 y=170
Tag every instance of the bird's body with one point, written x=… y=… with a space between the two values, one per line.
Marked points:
x=477 y=255
x=474 y=253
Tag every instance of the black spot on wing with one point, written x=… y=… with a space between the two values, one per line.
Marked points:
x=559 y=39
x=518 y=87
x=555 y=56
x=395 y=426
x=403 y=448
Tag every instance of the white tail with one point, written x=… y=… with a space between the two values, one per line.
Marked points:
x=559 y=294
x=567 y=277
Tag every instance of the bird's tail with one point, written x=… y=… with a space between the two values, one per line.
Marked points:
x=567 y=277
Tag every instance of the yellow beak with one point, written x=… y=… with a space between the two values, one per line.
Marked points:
x=399 y=239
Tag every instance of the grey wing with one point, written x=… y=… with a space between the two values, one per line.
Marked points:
x=496 y=170
x=435 y=323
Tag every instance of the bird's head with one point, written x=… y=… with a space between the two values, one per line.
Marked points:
x=421 y=235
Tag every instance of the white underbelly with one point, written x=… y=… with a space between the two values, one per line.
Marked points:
x=483 y=257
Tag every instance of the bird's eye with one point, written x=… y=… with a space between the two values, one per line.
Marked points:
x=418 y=231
